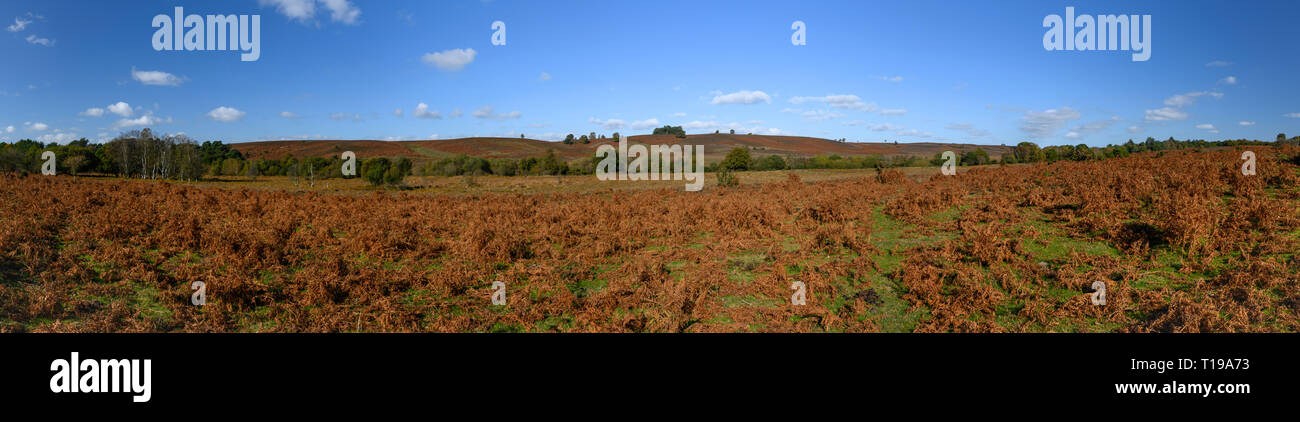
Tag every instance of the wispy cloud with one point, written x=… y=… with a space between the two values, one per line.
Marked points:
x=968 y=128
x=1043 y=124
x=155 y=77
x=487 y=113
x=304 y=11
x=742 y=97
x=842 y=101
x=1183 y=100
x=19 y=24
x=450 y=60
x=40 y=41
x=1163 y=114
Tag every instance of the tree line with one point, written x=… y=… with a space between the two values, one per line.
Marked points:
x=142 y=154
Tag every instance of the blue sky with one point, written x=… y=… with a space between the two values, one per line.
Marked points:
x=910 y=71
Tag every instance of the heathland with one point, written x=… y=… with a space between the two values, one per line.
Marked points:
x=1182 y=240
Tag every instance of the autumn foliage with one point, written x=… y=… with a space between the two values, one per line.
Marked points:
x=108 y=256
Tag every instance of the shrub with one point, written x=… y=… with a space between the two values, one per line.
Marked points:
x=737 y=159
x=382 y=171
x=726 y=178
x=771 y=162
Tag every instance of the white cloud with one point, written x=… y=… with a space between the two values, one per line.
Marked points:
x=1073 y=135
x=455 y=113
x=299 y=10
x=1293 y=115
x=1134 y=129
x=304 y=11
x=679 y=114
x=545 y=76
x=93 y=112
x=742 y=97
x=38 y=126
x=342 y=11
x=288 y=115
x=699 y=125
x=1183 y=100
x=645 y=124
x=1167 y=113
x=893 y=112
x=422 y=111
x=1245 y=123
x=155 y=77
x=9 y=129
x=914 y=133
x=711 y=126
x=844 y=101
x=19 y=24
x=397 y=112
x=120 y=108
x=225 y=114
x=1095 y=126
x=145 y=120
x=884 y=127
x=487 y=113
x=342 y=116
x=57 y=138
x=1231 y=80
x=610 y=124
x=1042 y=124
x=1205 y=126
x=451 y=60
x=820 y=115
x=968 y=128
x=41 y=41
x=894 y=79
x=1218 y=63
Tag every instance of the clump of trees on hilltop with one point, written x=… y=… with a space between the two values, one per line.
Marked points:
x=670 y=130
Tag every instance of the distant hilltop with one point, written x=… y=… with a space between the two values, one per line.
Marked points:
x=715 y=146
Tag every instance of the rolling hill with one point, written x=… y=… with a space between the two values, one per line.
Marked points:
x=715 y=147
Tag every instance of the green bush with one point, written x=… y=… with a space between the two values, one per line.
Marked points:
x=383 y=171
x=737 y=159
x=771 y=162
